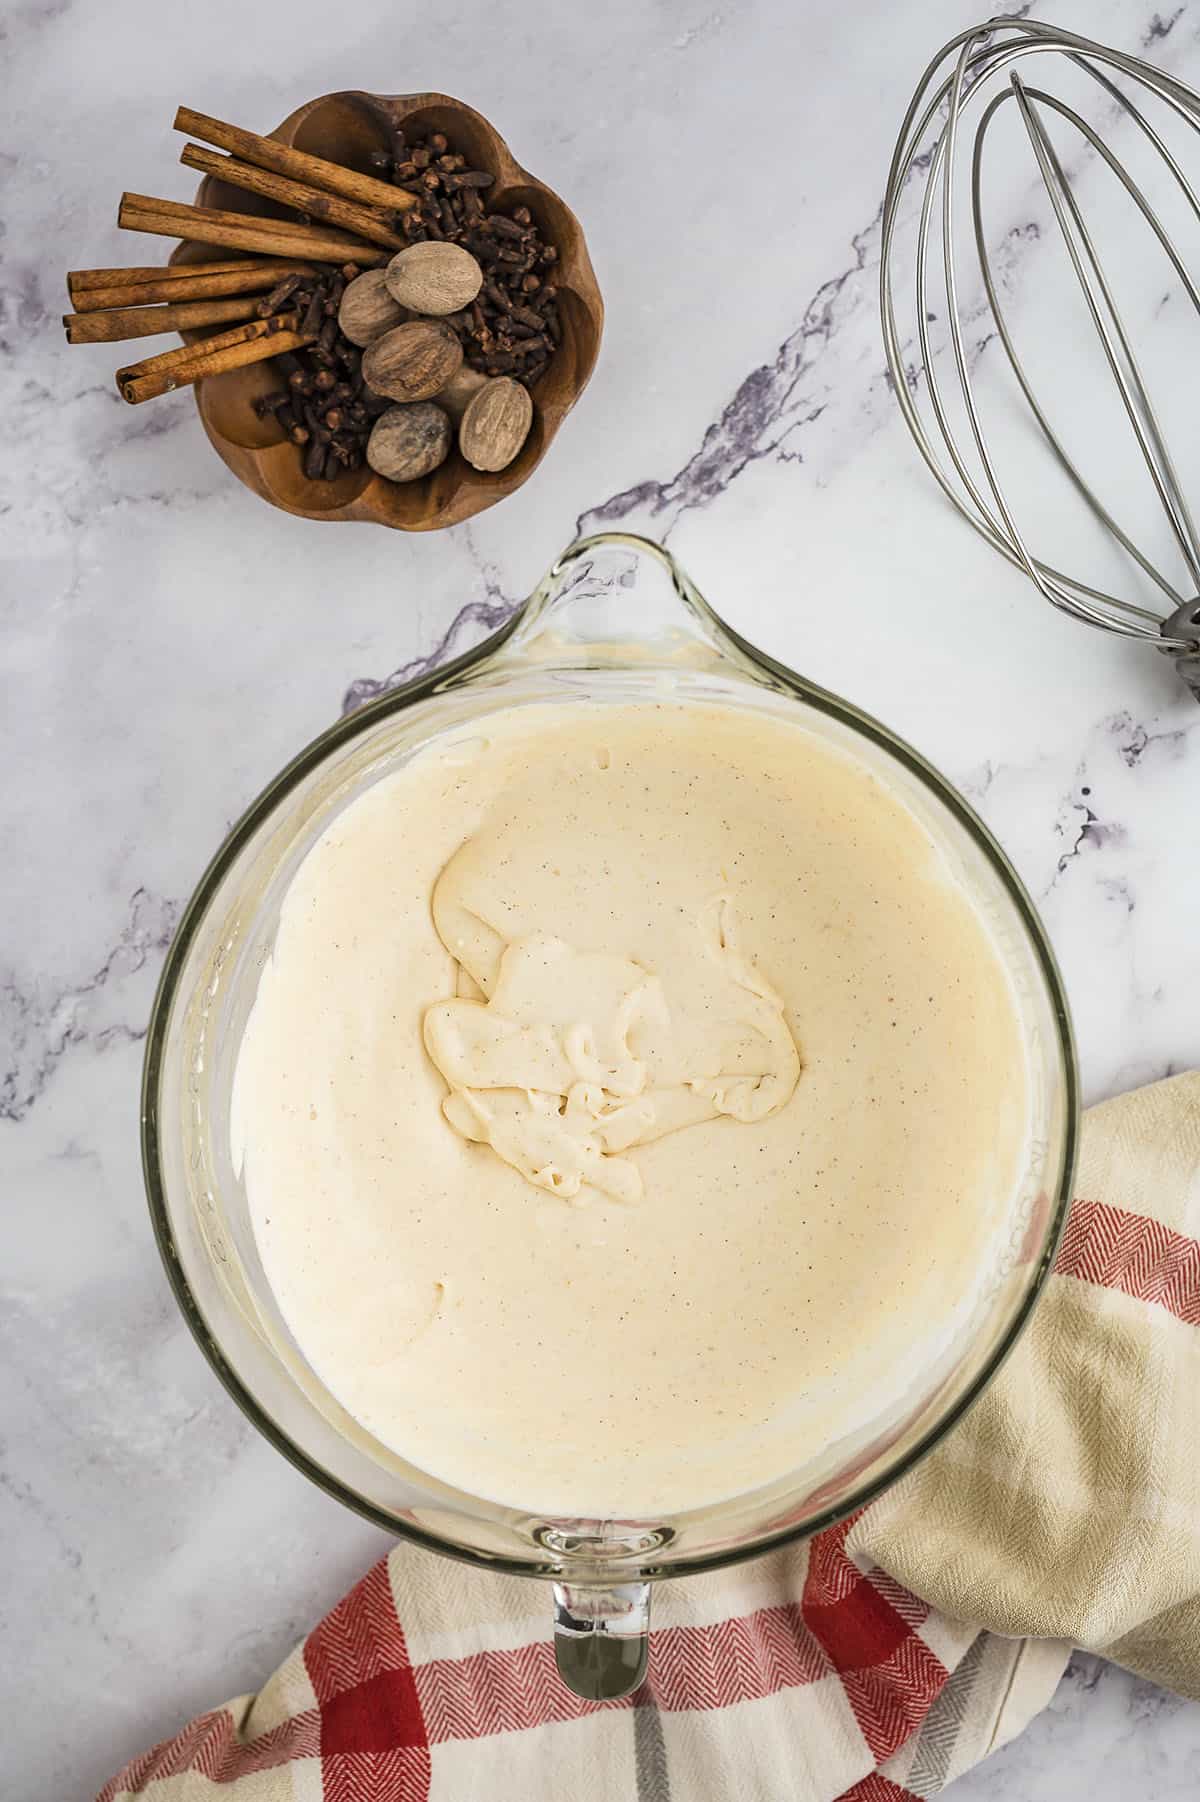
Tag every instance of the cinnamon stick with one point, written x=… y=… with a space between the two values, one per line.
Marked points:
x=147 y=322
x=268 y=153
x=239 y=231
x=368 y=222
x=203 y=347
x=253 y=343
x=250 y=278
x=80 y=281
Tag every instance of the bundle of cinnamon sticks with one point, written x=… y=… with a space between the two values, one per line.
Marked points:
x=347 y=218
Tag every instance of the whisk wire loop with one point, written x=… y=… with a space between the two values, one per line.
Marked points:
x=1113 y=334
x=964 y=70
x=1018 y=368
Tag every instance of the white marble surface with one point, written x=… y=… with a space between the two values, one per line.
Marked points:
x=169 y=641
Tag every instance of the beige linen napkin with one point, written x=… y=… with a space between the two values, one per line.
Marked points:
x=1067 y=1503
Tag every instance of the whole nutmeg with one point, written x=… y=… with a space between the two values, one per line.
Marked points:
x=461 y=390
x=496 y=424
x=412 y=361
x=407 y=442
x=367 y=309
x=433 y=277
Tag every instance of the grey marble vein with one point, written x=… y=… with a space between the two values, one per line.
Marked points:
x=39 y=1026
x=486 y=616
x=767 y=409
x=1160 y=28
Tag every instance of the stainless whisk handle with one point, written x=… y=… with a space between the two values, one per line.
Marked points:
x=1184 y=624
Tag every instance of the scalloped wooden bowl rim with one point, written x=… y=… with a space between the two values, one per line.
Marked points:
x=455 y=492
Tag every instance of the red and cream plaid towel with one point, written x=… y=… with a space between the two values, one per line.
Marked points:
x=1064 y=1510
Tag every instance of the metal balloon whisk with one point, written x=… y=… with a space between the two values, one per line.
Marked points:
x=977 y=76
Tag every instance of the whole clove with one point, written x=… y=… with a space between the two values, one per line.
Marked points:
x=280 y=294
x=314 y=314
x=320 y=380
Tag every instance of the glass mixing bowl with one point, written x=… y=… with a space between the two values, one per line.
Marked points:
x=615 y=620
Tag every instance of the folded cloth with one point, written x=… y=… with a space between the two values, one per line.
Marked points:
x=873 y=1664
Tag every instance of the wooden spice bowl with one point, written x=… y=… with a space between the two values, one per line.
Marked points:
x=346 y=128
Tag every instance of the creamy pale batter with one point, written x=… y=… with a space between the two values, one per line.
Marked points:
x=631 y=1099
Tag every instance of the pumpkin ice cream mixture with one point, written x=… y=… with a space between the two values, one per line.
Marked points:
x=630 y=1105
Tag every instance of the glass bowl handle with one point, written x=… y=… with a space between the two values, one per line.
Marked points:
x=601 y=1638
